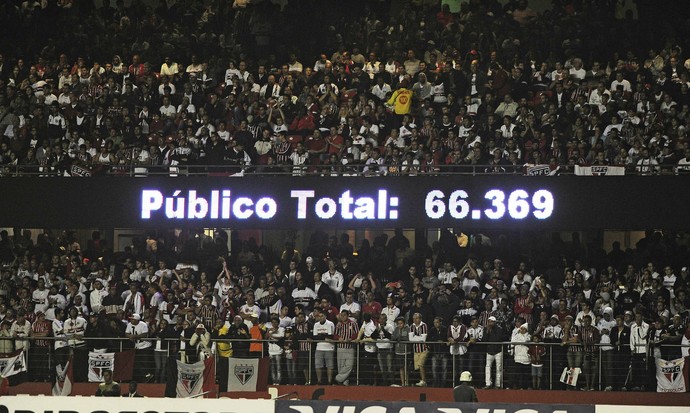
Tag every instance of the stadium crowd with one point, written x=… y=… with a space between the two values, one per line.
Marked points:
x=383 y=313
x=367 y=87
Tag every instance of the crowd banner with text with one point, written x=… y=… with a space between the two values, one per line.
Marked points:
x=89 y=366
x=197 y=378
x=248 y=374
x=599 y=170
x=541 y=170
x=670 y=377
x=12 y=364
x=337 y=406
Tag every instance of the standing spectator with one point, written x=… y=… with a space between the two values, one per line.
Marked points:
x=418 y=334
x=60 y=344
x=384 y=350
x=39 y=353
x=201 y=340
x=323 y=333
x=493 y=333
x=639 y=332
x=402 y=350
x=475 y=334
x=438 y=339
x=606 y=326
x=368 y=334
x=137 y=331
x=345 y=334
x=238 y=333
x=21 y=330
x=620 y=339
x=276 y=336
x=303 y=333
x=536 y=354
x=165 y=347
x=521 y=354
x=590 y=337
x=571 y=339
x=74 y=329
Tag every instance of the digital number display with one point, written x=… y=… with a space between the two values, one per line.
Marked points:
x=518 y=204
x=465 y=202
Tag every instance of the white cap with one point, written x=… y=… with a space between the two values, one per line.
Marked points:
x=465 y=376
x=492 y=318
x=310 y=260
x=135 y=316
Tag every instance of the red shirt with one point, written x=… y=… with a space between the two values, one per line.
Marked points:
x=336 y=140
x=374 y=308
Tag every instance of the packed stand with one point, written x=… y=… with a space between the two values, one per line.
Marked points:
x=332 y=90
x=382 y=314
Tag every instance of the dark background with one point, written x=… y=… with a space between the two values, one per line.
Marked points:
x=580 y=202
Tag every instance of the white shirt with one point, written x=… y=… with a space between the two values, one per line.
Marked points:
x=40 y=299
x=334 y=281
x=354 y=307
x=96 y=299
x=274 y=349
x=75 y=327
x=140 y=328
x=59 y=332
x=447 y=277
x=369 y=329
x=327 y=328
x=391 y=314
x=638 y=338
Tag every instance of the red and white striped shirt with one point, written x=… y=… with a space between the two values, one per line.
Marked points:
x=346 y=331
x=418 y=335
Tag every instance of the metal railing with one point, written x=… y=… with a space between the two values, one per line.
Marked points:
x=602 y=368
x=325 y=170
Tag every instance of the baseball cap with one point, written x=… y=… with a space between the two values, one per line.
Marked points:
x=135 y=316
x=492 y=318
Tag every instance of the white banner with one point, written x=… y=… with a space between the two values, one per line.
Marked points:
x=190 y=378
x=669 y=376
x=243 y=374
x=541 y=170
x=9 y=366
x=569 y=376
x=599 y=170
x=63 y=379
x=98 y=362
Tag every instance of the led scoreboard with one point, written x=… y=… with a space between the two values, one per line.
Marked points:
x=479 y=202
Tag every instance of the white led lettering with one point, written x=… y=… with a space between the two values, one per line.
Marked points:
x=239 y=212
x=151 y=200
x=302 y=196
x=174 y=210
x=345 y=203
x=266 y=208
x=326 y=208
x=225 y=207
x=383 y=204
x=365 y=208
x=198 y=207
